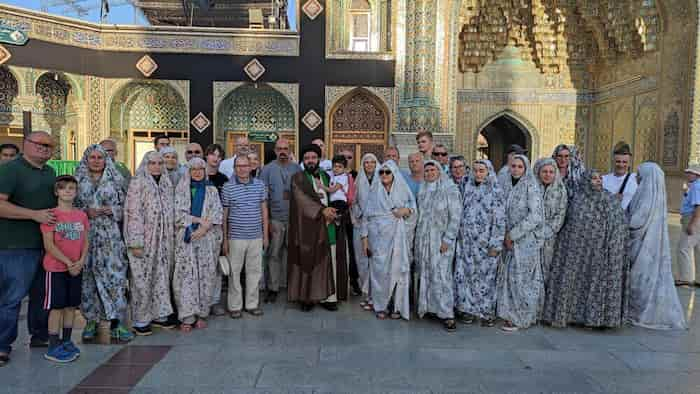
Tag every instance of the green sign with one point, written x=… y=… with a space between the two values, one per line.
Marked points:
x=10 y=35
x=263 y=136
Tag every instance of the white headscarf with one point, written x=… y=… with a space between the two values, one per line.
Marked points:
x=184 y=184
x=397 y=195
x=362 y=184
x=142 y=171
x=548 y=161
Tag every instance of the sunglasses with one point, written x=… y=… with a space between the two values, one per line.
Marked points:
x=45 y=146
x=384 y=172
x=194 y=152
x=439 y=153
x=348 y=157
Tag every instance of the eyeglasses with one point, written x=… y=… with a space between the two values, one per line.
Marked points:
x=45 y=146
x=384 y=172
x=194 y=152
x=439 y=153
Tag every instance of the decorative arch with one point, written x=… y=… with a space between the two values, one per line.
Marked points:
x=9 y=91
x=525 y=126
x=258 y=107
x=359 y=122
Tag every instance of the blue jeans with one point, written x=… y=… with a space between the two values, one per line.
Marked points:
x=17 y=269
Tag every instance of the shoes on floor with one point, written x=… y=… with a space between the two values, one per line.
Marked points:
x=60 y=354
x=90 y=331
x=271 y=297
x=143 y=331
x=38 y=342
x=218 y=310
x=330 y=306
x=121 y=334
x=71 y=348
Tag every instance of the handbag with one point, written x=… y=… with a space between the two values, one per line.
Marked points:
x=224 y=266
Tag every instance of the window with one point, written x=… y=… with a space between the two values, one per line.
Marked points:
x=360 y=26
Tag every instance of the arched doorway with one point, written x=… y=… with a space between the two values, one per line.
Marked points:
x=10 y=122
x=142 y=110
x=359 y=123
x=497 y=135
x=259 y=112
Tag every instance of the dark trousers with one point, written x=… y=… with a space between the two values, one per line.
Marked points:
x=344 y=212
x=17 y=269
x=37 y=316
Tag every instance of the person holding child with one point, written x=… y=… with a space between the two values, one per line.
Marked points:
x=66 y=247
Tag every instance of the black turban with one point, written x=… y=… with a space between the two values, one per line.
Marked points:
x=310 y=148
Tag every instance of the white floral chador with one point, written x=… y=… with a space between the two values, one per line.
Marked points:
x=388 y=239
x=439 y=215
x=196 y=260
x=105 y=271
x=653 y=298
x=148 y=224
x=520 y=284
x=482 y=228
x=554 y=200
x=362 y=186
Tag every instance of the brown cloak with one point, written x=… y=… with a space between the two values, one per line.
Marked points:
x=309 y=265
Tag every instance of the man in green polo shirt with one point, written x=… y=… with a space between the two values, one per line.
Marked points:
x=26 y=200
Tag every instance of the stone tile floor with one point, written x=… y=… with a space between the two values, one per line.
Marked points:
x=287 y=351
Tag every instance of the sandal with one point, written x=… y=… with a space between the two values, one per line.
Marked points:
x=681 y=283
x=381 y=315
x=236 y=314
x=450 y=325
x=488 y=322
x=4 y=359
x=509 y=327
x=184 y=327
x=200 y=324
x=395 y=315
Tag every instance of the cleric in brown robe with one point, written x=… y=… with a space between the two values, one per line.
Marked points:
x=316 y=270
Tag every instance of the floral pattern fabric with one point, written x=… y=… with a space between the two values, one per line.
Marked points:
x=196 y=262
x=482 y=228
x=589 y=274
x=148 y=224
x=105 y=272
x=439 y=215
x=520 y=283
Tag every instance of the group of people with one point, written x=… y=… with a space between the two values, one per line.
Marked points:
x=552 y=243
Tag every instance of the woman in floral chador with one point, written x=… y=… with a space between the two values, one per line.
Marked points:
x=101 y=196
x=554 y=199
x=149 y=235
x=439 y=215
x=653 y=298
x=589 y=275
x=479 y=245
x=198 y=218
x=365 y=177
x=387 y=222
x=520 y=284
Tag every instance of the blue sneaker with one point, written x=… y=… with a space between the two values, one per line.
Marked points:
x=70 y=347
x=59 y=354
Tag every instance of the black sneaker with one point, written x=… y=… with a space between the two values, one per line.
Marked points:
x=38 y=342
x=330 y=306
x=271 y=297
x=143 y=331
x=167 y=324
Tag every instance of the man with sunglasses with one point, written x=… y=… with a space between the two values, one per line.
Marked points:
x=26 y=201
x=441 y=156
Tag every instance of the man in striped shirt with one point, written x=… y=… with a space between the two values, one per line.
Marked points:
x=245 y=236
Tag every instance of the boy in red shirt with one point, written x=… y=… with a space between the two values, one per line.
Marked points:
x=66 y=247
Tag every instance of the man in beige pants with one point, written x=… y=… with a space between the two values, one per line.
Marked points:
x=245 y=236
x=689 y=243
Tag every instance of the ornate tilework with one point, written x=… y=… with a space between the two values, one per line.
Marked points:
x=312 y=9
x=255 y=107
x=254 y=69
x=8 y=91
x=671 y=138
x=5 y=55
x=200 y=122
x=149 y=106
x=147 y=66
x=312 y=120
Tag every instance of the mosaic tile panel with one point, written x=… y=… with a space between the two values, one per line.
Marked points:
x=149 y=106
x=256 y=108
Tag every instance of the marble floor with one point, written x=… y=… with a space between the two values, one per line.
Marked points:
x=349 y=351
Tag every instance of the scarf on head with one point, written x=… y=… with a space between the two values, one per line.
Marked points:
x=199 y=192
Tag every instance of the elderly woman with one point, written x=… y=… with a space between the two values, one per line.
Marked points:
x=101 y=195
x=385 y=237
x=439 y=214
x=588 y=278
x=520 y=284
x=149 y=235
x=172 y=164
x=653 y=298
x=363 y=184
x=554 y=200
x=198 y=219
x=570 y=166
x=480 y=243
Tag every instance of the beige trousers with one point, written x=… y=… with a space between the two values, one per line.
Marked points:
x=688 y=253
x=244 y=253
